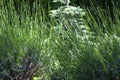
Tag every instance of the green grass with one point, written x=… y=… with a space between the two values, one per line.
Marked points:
x=55 y=52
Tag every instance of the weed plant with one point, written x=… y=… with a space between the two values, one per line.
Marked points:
x=33 y=47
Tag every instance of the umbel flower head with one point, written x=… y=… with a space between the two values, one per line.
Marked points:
x=63 y=1
x=67 y=10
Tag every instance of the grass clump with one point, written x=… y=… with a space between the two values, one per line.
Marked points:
x=31 y=47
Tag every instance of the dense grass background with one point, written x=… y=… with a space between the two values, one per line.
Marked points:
x=32 y=46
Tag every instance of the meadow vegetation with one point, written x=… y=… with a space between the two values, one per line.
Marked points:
x=36 y=47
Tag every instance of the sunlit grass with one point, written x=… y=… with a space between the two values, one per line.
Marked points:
x=59 y=53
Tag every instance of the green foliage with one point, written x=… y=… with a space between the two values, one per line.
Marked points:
x=65 y=47
x=71 y=15
x=19 y=50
